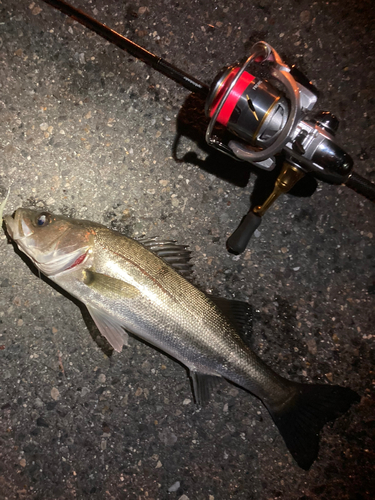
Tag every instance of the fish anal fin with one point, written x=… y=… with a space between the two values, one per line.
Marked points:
x=110 y=328
x=202 y=386
x=108 y=286
x=303 y=417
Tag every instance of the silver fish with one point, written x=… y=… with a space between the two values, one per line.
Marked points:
x=134 y=286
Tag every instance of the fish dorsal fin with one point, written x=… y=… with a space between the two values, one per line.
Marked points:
x=177 y=256
x=202 y=386
x=109 y=327
x=239 y=313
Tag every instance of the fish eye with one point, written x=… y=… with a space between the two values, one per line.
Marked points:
x=43 y=219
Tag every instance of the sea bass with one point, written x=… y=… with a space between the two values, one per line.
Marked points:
x=139 y=287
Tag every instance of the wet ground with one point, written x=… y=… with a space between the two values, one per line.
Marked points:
x=86 y=130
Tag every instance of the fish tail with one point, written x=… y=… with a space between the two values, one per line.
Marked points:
x=301 y=419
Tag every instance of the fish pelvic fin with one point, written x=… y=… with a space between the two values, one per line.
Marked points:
x=109 y=327
x=301 y=419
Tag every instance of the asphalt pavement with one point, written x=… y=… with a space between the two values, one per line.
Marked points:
x=88 y=131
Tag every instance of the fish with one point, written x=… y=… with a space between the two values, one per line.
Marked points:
x=144 y=287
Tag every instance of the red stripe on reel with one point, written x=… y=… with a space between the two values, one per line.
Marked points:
x=234 y=96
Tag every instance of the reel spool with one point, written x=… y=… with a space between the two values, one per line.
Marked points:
x=259 y=114
x=254 y=110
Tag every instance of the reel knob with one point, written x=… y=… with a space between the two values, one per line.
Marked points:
x=290 y=174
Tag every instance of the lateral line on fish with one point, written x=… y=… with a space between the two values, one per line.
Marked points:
x=145 y=273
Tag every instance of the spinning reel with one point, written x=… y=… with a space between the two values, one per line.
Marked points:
x=269 y=121
x=265 y=106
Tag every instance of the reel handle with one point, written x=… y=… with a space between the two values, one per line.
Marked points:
x=239 y=240
x=361 y=186
x=288 y=177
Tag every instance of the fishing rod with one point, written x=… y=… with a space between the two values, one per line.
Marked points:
x=259 y=111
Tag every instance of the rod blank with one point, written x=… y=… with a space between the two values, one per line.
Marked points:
x=159 y=64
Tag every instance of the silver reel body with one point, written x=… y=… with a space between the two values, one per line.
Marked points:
x=269 y=121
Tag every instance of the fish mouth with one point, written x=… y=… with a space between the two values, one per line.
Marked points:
x=18 y=229
x=47 y=256
x=16 y=226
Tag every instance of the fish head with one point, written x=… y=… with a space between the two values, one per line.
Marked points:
x=54 y=243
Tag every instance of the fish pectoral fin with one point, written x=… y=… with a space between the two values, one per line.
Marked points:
x=108 y=286
x=202 y=386
x=110 y=328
